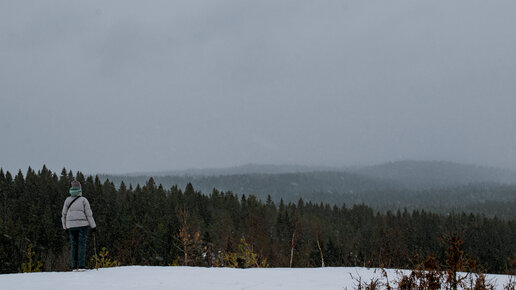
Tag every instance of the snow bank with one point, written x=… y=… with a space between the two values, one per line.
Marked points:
x=177 y=278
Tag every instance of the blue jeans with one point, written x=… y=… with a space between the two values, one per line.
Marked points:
x=78 y=238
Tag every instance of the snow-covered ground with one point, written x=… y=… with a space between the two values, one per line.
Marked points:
x=157 y=278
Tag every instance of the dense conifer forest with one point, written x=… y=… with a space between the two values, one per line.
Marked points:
x=153 y=225
x=438 y=187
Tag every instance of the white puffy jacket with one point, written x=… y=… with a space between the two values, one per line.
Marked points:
x=78 y=214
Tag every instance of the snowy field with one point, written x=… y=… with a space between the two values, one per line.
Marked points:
x=158 y=278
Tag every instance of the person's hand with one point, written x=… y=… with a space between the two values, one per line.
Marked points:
x=93 y=230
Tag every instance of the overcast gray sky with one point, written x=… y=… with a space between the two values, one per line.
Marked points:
x=124 y=86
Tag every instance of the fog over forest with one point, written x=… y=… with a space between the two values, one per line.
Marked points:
x=130 y=86
x=333 y=134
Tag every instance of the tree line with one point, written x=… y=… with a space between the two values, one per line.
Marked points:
x=489 y=198
x=151 y=225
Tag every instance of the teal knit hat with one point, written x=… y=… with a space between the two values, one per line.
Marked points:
x=76 y=188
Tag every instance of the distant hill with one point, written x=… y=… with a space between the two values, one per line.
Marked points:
x=407 y=174
x=440 y=187
x=238 y=170
x=437 y=174
x=282 y=185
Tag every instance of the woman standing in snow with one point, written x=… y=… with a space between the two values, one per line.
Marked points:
x=77 y=218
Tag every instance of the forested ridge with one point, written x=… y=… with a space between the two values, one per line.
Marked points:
x=153 y=225
x=338 y=188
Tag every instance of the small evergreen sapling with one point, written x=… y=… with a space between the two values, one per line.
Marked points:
x=244 y=258
x=31 y=265
x=102 y=260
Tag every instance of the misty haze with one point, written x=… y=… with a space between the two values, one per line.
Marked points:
x=120 y=87
x=258 y=134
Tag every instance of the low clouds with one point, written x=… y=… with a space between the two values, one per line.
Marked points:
x=132 y=86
